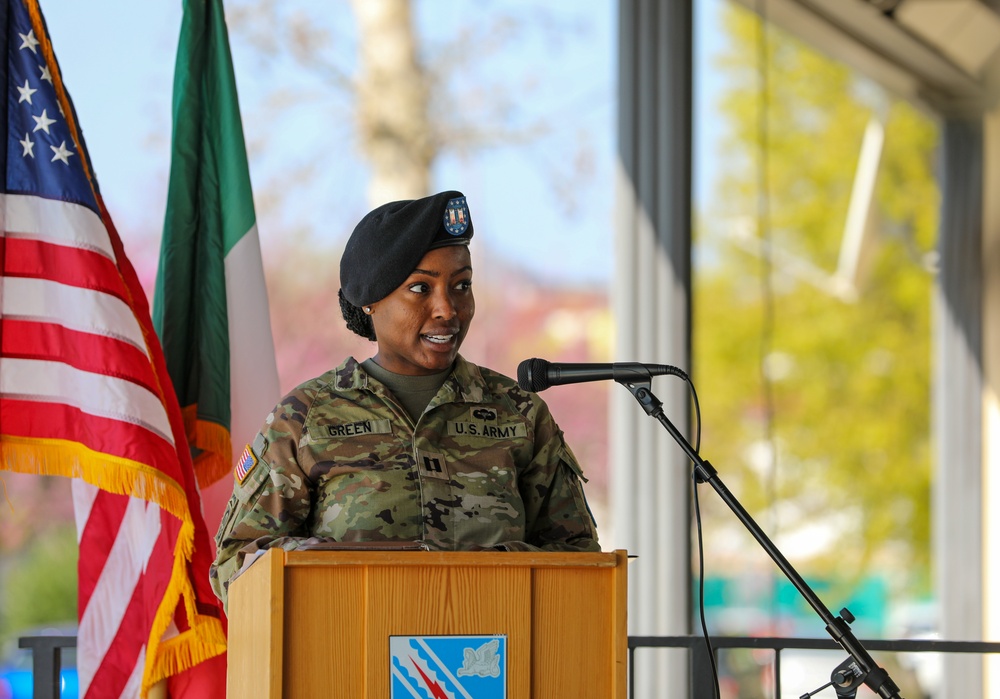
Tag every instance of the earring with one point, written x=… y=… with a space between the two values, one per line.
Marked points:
x=368 y=310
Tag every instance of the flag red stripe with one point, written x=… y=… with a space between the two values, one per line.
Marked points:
x=26 y=339
x=118 y=660
x=64 y=264
x=40 y=420
x=161 y=560
x=98 y=533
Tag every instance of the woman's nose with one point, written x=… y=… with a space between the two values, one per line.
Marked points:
x=444 y=306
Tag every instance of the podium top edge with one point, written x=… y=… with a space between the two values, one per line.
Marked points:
x=480 y=559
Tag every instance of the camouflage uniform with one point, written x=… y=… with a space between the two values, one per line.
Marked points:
x=340 y=460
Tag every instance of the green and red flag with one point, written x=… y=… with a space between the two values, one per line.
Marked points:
x=210 y=306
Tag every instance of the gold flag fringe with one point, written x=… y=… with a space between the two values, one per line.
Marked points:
x=215 y=460
x=60 y=457
x=205 y=639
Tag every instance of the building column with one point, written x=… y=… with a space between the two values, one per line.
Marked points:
x=958 y=403
x=651 y=296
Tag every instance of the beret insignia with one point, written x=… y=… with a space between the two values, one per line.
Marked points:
x=456 y=216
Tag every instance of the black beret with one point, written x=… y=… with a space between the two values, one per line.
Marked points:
x=389 y=242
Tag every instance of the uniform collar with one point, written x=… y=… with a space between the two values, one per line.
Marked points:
x=465 y=384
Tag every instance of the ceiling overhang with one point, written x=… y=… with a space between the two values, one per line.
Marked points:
x=942 y=53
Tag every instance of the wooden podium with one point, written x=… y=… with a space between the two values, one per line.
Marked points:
x=306 y=624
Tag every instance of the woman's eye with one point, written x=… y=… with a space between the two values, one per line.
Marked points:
x=464 y=285
x=418 y=288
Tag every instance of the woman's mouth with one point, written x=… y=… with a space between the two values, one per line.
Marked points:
x=439 y=339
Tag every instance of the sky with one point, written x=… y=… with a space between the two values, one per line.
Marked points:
x=547 y=207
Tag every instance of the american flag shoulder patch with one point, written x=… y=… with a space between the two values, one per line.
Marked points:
x=246 y=463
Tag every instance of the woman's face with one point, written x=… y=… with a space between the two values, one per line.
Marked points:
x=420 y=326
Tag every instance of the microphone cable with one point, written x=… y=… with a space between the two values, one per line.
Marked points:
x=701 y=543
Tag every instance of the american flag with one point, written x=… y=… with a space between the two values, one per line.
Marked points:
x=84 y=391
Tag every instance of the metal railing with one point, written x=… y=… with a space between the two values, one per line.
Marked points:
x=700 y=664
x=47 y=650
x=46 y=660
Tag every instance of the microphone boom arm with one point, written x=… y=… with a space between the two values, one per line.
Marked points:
x=838 y=627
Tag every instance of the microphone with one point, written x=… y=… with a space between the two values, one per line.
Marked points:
x=537 y=374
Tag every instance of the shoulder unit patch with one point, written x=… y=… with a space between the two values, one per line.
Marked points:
x=246 y=463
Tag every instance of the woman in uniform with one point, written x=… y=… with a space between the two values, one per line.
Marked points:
x=415 y=444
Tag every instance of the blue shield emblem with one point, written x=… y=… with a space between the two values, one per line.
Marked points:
x=456 y=216
x=448 y=667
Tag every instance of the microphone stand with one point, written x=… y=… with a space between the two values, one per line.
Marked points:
x=860 y=667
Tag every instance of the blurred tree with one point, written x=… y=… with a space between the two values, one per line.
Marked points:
x=40 y=588
x=37 y=512
x=393 y=93
x=404 y=95
x=817 y=402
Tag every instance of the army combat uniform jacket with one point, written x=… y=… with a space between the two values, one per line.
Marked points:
x=339 y=459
